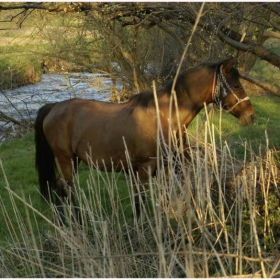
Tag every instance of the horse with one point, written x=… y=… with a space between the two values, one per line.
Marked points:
x=75 y=130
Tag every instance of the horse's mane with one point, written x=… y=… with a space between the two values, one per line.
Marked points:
x=143 y=99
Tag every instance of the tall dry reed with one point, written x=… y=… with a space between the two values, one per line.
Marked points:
x=208 y=214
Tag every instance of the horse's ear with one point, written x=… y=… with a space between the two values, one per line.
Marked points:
x=228 y=64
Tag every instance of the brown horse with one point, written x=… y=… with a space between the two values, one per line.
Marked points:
x=72 y=130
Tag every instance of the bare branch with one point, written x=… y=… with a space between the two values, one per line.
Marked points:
x=220 y=20
x=66 y=8
x=232 y=38
x=270 y=33
x=265 y=85
x=10 y=119
x=274 y=8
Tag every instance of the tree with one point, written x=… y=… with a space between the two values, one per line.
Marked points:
x=238 y=28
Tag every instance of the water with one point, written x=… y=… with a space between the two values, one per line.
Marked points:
x=22 y=103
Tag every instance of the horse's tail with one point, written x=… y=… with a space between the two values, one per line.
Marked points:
x=44 y=159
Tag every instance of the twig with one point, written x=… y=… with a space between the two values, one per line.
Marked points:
x=12 y=104
x=197 y=253
x=10 y=119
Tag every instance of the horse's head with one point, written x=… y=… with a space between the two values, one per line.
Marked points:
x=228 y=91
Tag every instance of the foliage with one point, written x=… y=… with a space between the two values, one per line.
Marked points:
x=20 y=62
x=136 y=43
x=18 y=71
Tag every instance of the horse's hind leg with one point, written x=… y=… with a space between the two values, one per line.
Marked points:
x=59 y=197
x=65 y=186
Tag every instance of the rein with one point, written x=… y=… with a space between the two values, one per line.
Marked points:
x=220 y=83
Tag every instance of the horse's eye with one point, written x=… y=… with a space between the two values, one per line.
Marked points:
x=236 y=86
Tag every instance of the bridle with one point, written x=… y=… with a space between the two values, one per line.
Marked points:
x=220 y=83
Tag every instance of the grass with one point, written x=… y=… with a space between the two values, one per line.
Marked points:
x=20 y=58
x=19 y=66
x=264 y=70
x=42 y=38
x=266 y=122
x=216 y=215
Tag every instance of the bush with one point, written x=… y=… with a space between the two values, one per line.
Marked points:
x=18 y=71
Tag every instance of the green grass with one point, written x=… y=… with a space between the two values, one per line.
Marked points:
x=18 y=68
x=20 y=60
x=18 y=161
x=263 y=69
x=266 y=124
x=18 y=157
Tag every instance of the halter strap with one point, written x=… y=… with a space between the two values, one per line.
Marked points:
x=220 y=82
x=214 y=84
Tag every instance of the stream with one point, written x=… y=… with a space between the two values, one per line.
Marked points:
x=22 y=104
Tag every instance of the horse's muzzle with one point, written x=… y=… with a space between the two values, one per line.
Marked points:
x=247 y=119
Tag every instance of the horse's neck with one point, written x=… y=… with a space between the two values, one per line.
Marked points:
x=200 y=86
x=189 y=99
x=192 y=91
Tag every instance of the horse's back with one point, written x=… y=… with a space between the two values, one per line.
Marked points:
x=70 y=111
x=73 y=118
x=80 y=127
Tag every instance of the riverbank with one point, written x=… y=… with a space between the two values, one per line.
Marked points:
x=19 y=106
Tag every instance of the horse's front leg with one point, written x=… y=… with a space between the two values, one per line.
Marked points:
x=139 y=199
x=65 y=192
x=144 y=172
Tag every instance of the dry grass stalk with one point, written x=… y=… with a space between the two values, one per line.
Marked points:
x=209 y=215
